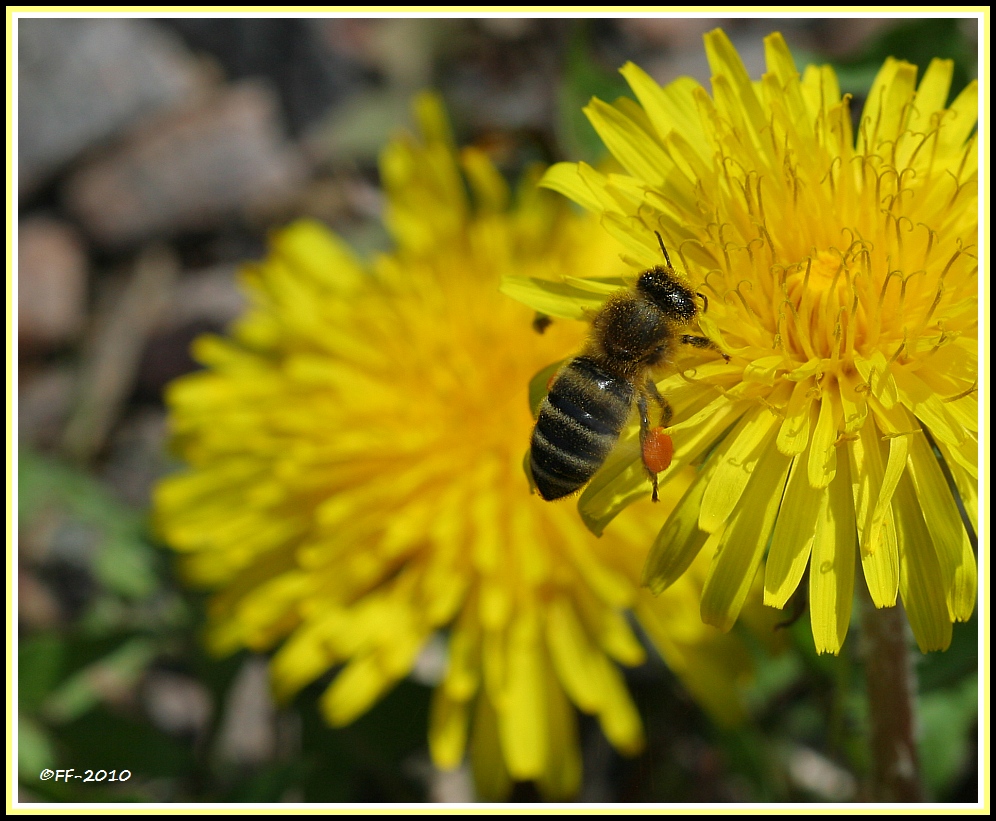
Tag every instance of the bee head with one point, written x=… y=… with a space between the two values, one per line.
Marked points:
x=674 y=299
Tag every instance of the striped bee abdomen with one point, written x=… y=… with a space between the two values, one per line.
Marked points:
x=579 y=423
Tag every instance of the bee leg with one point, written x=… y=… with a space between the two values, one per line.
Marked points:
x=641 y=402
x=703 y=342
x=666 y=412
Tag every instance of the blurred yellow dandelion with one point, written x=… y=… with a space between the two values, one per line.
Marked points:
x=841 y=274
x=355 y=482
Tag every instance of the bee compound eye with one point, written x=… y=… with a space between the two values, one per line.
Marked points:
x=673 y=298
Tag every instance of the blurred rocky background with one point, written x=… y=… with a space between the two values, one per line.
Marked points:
x=152 y=157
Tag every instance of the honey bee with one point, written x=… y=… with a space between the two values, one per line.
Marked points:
x=634 y=334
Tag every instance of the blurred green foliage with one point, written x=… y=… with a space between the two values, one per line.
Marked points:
x=582 y=79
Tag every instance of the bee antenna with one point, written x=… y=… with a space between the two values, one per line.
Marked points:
x=705 y=302
x=667 y=259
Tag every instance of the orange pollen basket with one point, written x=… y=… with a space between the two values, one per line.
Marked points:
x=658 y=449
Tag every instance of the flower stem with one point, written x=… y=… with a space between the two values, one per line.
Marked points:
x=891 y=683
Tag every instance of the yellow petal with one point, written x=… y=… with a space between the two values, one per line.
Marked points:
x=308 y=248
x=607 y=582
x=940 y=513
x=793 y=434
x=617 y=639
x=463 y=670
x=743 y=541
x=400 y=647
x=491 y=193
x=927 y=406
x=522 y=716
x=433 y=123
x=598 y=184
x=354 y=691
x=968 y=487
x=876 y=537
x=787 y=88
x=764 y=369
x=739 y=455
x=527 y=541
x=867 y=468
x=932 y=93
x=691 y=156
x=726 y=65
x=878 y=376
x=671 y=108
x=965 y=456
x=881 y=120
x=881 y=568
x=831 y=574
x=565 y=179
x=853 y=402
x=495 y=603
x=629 y=143
x=557 y=299
x=631 y=233
x=272 y=603
x=573 y=656
x=299 y=661
x=921 y=584
x=443 y=592
x=792 y=540
x=779 y=59
x=897 y=426
x=822 y=463
x=960 y=123
x=821 y=89
x=447 y=729
x=619 y=719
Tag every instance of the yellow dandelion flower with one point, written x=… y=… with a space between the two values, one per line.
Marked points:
x=355 y=482
x=841 y=275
